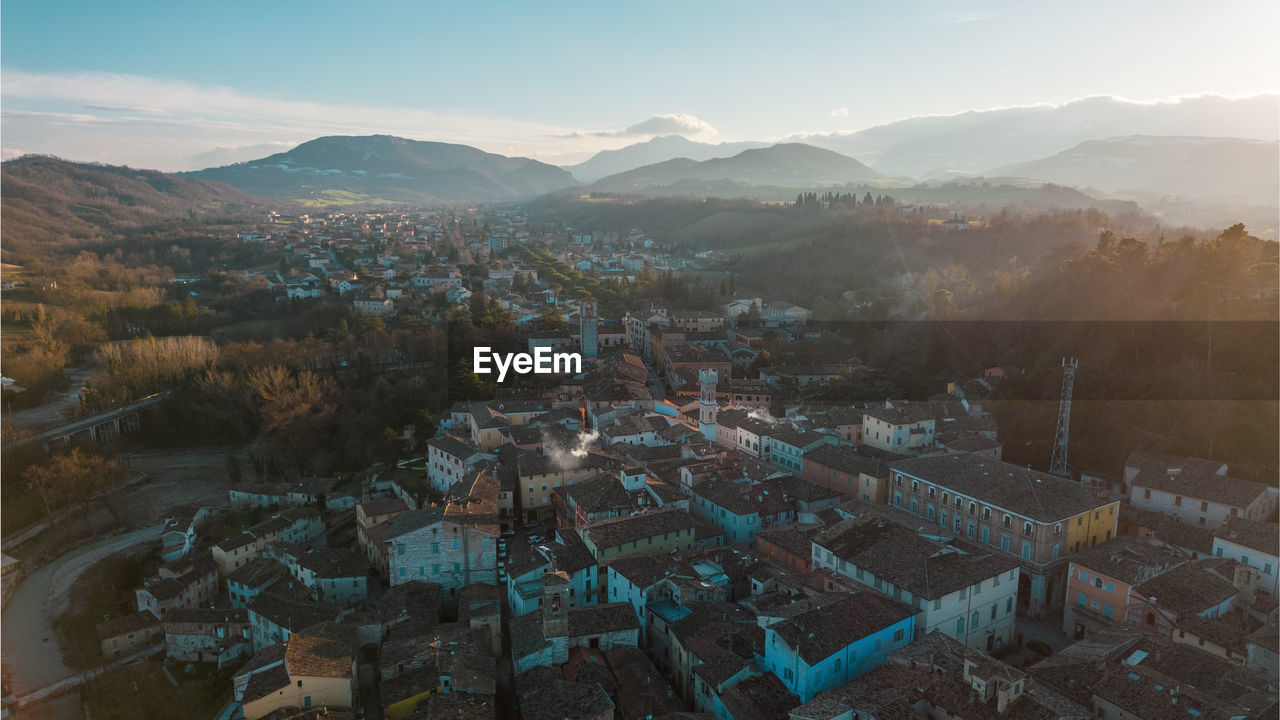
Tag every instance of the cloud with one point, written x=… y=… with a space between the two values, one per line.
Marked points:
x=669 y=124
x=840 y=112
x=148 y=122
x=672 y=124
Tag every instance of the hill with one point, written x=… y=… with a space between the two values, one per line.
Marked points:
x=382 y=169
x=48 y=201
x=790 y=165
x=656 y=150
x=1190 y=167
x=975 y=141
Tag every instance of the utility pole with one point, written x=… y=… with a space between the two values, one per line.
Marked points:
x=1058 y=465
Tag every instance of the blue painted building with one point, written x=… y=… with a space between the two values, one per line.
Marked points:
x=826 y=647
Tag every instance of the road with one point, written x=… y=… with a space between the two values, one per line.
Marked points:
x=27 y=644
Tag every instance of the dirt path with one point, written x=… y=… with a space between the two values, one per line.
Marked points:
x=27 y=644
x=54 y=412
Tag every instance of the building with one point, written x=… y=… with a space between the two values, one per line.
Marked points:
x=854 y=473
x=905 y=430
x=129 y=634
x=314 y=669
x=1194 y=490
x=450 y=460
x=960 y=588
x=1255 y=544
x=218 y=636
x=1099 y=581
x=660 y=529
x=190 y=581
x=302 y=525
x=452 y=546
x=1038 y=518
x=828 y=646
x=539 y=475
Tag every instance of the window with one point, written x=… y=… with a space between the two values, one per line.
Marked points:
x=915 y=507
x=1080 y=600
x=897 y=636
x=986 y=513
x=435 y=547
x=973 y=508
x=928 y=512
x=1008 y=605
x=1057 y=529
x=986 y=534
x=1177 y=500
x=959 y=503
x=1146 y=494
x=1097 y=582
x=897 y=480
x=1026 y=550
x=1053 y=553
x=1107 y=610
x=970 y=529
x=932 y=492
x=994 y=608
x=1007 y=522
x=915 y=486
x=974 y=619
x=1026 y=529
x=1111 y=587
x=959 y=626
x=400 y=549
x=1004 y=542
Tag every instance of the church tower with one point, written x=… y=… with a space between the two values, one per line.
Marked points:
x=707 y=407
x=589 y=330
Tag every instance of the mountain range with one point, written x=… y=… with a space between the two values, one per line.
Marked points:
x=49 y=201
x=655 y=150
x=382 y=169
x=790 y=165
x=1191 y=167
x=977 y=141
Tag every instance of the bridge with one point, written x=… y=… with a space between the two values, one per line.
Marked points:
x=103 y=427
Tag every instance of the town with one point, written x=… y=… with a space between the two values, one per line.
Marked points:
x=722 y=509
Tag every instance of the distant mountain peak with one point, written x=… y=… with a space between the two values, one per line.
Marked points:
x=387 y=169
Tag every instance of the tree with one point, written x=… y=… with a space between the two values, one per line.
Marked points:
x=73 y=478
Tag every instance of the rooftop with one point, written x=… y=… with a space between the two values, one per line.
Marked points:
x=1130 y=559
x=925 y=566
x=824 y=631
x=1030 y=493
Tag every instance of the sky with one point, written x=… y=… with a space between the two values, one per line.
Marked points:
x=162 y=84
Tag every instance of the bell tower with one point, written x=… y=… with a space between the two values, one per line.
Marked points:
x=707 y=407
x=555 y=604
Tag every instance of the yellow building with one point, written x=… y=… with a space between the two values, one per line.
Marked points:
x=665 y=530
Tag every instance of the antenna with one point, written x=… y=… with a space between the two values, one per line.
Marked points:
x=1058 y=465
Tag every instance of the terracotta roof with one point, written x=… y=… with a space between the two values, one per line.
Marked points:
x=318 y=656
x=1033 y=494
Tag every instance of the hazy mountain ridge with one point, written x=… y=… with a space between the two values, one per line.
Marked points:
x=653 y=151
x=1193 y=167
x=978 y=140
x=784 y=165
x=49 y=200
x=386 y=169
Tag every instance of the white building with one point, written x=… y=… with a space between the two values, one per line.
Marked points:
x=961 y=589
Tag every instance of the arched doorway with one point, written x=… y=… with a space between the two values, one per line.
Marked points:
x=1024 y=592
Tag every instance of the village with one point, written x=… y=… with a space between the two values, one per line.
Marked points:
x=675 y=531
